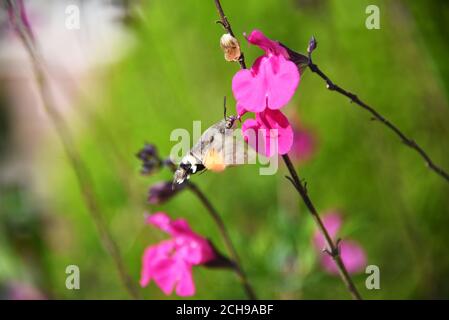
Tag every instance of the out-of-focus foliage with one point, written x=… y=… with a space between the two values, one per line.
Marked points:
x=393 y=205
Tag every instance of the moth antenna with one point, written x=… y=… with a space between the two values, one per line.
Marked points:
x=224 y=107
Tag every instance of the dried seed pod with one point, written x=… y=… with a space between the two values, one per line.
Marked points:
x=231 y=47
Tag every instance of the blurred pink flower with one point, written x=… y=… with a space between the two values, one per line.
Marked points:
x=23 y=291
x=353 y=257
x=17 y=11
x=303 y=144
x=170 y=262
x=271 y=81
x=276 y=134
x=351 y=252
x=332 y=222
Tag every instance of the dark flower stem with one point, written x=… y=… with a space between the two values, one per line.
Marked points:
x=377 y=116
x=237 y=265
x=227 y=239
x=81 y=171
x=332 y=249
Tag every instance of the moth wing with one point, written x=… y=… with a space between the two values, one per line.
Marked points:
x=214 y=160
x=206 y=142
x=235 y=149
x=219 y=148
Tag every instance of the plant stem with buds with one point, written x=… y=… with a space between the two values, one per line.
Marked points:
x=331 y=249
x=237 y=265
x=376 y=115
x=81 y=171
x=227 y=239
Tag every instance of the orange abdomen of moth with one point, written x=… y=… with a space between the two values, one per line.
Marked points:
x=214 y=161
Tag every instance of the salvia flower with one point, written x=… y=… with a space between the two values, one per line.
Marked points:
x=271 y=81
x=269 y=133
x=352 y=254
x=169 y=263
x=304 y=143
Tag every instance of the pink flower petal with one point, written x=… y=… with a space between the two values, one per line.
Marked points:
x=353 y=256
x=249 y=90
x=166 y=275
x=269 y=46
x=269 y=134
x=152 y=258
x=160 y=220
x=303 y=145
x=270 y=83
x=180 y=227
x=240 y=109
x=276 y=120
x=250 y=130
x=194 y=250
x=185 y=286
x=332 y=222
x=170 y=262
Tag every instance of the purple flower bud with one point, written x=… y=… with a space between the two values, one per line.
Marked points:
x=162 y=192
x=150 y=159
x=312 y=45
x=148 y=151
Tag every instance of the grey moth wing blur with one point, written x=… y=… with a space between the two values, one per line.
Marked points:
x=220 y=146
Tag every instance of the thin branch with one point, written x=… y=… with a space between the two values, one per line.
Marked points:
x=227 y=239
x=81 y=171
x=332 y=249
x=294 y=179
x=237 y=264
x=225 y=23
x=377 y=116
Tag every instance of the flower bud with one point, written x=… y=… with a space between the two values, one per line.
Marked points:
x=230 y=46
x=162 y=192
x=150 y=159
x=312 y=45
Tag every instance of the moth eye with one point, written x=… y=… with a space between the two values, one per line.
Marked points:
x=185 y=166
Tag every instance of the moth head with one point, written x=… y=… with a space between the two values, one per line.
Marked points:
x=181 y=174
x=187 y=167
x=230 y=121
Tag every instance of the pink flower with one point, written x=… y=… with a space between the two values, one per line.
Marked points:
x=170 y=262
x=23 y=291
x=271 y=81
x=332 y=222
x=352 y=254
x=303 y=144
x=270 y=133
x=353 y=257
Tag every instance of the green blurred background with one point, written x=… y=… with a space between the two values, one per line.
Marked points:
x=175 y=73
